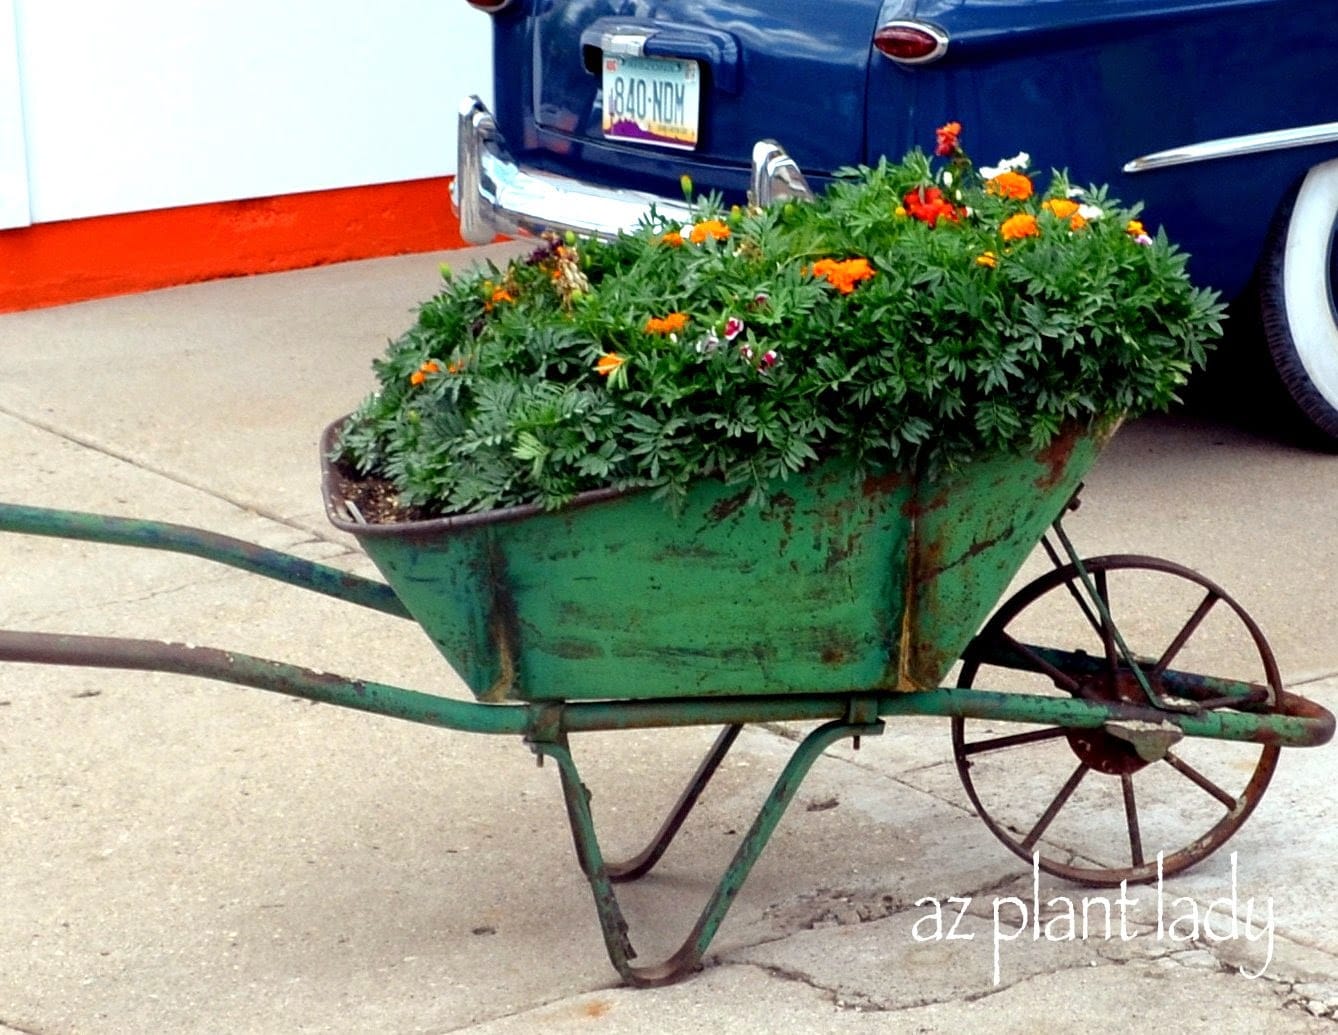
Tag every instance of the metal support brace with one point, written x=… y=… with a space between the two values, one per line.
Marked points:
x=591 y=860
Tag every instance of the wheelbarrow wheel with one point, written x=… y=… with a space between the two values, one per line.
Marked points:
x=1112 y=808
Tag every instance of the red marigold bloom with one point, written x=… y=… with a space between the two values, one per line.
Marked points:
x=1010 y=184
x=929 y=206
x=948 y=136
x=671 y=324
x=1019 y=226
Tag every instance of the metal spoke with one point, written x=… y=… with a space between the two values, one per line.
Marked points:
x=1047 y=817
x=1061 y=679
x=1190 y=627
x=1107 y=628
x=1131 y=818
x=1198 y=779
x=1014 y=740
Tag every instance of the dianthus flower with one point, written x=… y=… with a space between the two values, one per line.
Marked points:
x=929 y=206
x=843 y=275
x=1010 y=184
x=712 y=228
x=671 y=324
x=1019 y=226
x=947 y=137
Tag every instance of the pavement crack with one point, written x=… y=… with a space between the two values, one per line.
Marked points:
x=141 y=464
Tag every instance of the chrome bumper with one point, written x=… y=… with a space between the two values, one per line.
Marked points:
x=494 y=195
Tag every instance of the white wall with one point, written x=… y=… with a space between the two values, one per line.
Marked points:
x=14 y=210
x=142 y=104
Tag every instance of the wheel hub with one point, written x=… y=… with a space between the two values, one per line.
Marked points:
x=1103 y=751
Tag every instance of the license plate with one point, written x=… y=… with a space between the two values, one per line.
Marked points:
x=652 y=100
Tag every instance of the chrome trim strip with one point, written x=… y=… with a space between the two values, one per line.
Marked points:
x=625 y=43
x=1234 y=147
x=493 y=195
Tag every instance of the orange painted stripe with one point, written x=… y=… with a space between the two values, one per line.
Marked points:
x=54 y=263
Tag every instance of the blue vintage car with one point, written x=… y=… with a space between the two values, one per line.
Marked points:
x=1222 y=115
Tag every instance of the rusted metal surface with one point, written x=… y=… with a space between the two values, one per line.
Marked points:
x=1120 y=749
x=843 y=582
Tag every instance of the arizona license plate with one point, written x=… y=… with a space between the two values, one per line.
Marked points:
x=652 y=100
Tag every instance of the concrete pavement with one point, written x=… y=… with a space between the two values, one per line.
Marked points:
x=183 y=856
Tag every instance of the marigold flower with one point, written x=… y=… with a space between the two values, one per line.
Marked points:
x=456 y=366
x=671 y=239
x=498 y=296
x=929 y=206
x=609 y=362
x=843 y=275
x=420 y=375
x=1010 y=184
x=1077 y=221
x=948 y=139
x=988 y=259
x=1134 y=228
x=1018 y=226
x=671 y=324
x=1061 y=208
x=712 y=228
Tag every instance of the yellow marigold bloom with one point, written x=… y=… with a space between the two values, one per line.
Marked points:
x=899 y=211
x=713 y=228
x=1133 y=228
x=843 y=275
x=1019 y=226
x=1062 y=208
x=608 y=363
x=672 y=239
x=1010 y=184
x=987 y=259
x=671 y=324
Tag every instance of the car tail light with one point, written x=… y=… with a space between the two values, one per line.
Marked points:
x=490 y=6
x=911 y=43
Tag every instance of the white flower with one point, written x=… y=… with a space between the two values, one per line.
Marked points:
x=1019 y=161
x=1091 y=212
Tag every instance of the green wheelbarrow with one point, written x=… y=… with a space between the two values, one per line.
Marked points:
x=844 y=599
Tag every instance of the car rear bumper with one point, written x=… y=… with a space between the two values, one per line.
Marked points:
x=494 y=195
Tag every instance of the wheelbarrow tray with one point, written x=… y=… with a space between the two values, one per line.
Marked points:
x=841 y=582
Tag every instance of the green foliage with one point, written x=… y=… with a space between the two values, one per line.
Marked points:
x=535 y=382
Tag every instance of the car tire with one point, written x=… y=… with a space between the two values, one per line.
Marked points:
x=1298 y=300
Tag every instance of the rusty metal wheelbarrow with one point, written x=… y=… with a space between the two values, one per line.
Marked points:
x=845 y=600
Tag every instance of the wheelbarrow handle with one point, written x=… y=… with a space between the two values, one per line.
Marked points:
x=197 y=542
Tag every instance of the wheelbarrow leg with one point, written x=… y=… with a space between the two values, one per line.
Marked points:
x=612 y=922
x=642 y=863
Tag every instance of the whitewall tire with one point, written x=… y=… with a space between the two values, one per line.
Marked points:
x=1298 y=299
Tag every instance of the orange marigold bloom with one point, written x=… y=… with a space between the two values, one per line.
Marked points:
x=608 y=363
x=498 y=296
x=1019 y=226
x=420 y=375
x=672 y=239
x=1134 y=228
x=671 y=324
x=1010 y=184
x=947 y=138
x=1077 y=221
x=712 y=228
x=1062 y=208
x=843 y=275
x=455 y=366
